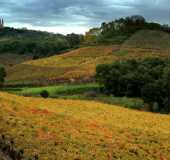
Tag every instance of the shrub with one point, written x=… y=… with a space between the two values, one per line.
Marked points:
x=149 y=79
x=44 y=94
x=2 y=75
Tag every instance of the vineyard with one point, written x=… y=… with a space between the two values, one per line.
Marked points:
x=82 y=130
x=76 y=65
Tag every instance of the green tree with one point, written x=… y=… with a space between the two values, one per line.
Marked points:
x=148 y=79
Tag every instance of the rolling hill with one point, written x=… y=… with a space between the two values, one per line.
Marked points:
x=36 y=43
x=77 y=65
x=149 y=39
x=82 y=130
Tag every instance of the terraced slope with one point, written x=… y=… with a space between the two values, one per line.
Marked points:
x=76 y=64
x=79 y=64
x=149 y=39
x=82 y=130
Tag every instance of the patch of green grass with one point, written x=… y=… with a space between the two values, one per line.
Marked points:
x=64 y=89
x=133 y=103
x=79 y=92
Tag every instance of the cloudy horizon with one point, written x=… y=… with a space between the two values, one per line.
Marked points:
x=78 y=16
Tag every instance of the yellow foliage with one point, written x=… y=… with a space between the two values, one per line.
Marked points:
x=83 y=130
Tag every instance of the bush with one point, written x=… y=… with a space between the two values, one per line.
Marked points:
x=2 y=75
x=44 y=94
x=149 y=79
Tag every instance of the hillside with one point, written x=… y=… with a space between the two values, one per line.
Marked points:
x=10 y=59
x=79 y=64
x=149 y=39
x=82 y=130
x=76 y=64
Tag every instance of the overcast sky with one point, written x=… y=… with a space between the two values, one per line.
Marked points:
x=66 y=16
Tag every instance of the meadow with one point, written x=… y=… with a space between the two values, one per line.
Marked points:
x=82 y=130
x=89 y=91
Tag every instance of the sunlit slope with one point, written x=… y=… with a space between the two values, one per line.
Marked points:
x=83 y=130
x=79 y=64
x=149 y=39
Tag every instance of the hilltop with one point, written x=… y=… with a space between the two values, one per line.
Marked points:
x=119 y=30
x=69 y=129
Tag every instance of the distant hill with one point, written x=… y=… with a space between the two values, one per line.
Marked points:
x=77 y=65
x=37 y=43
x=149 y=39
x=19 y=33
x=119 y=30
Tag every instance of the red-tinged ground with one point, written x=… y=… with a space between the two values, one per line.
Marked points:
x=83 y=130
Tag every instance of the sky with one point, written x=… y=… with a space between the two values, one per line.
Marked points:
x=78 y=16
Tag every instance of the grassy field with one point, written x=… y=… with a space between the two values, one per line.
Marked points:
x=89 y=91
x=57 y=90
x=82 y=130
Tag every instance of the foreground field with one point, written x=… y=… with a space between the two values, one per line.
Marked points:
x=83 y=130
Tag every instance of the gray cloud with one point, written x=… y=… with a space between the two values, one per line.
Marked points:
x=80 y=12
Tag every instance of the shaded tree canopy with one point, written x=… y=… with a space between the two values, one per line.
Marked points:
x=149 y=79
